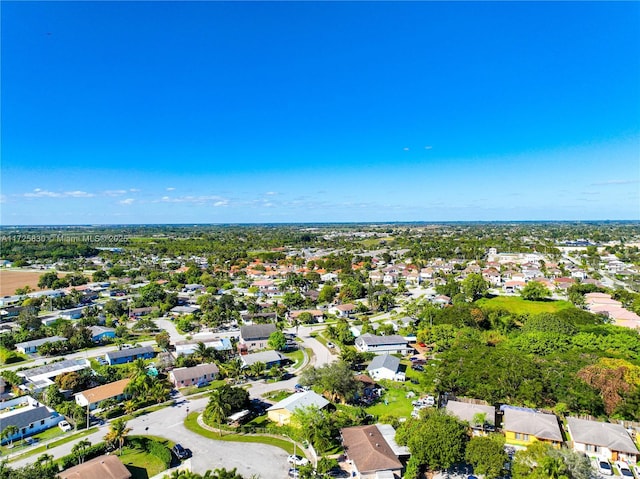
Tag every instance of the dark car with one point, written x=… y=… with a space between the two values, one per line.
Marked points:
x=181 y=452
x=417 y=367
x=338 y=473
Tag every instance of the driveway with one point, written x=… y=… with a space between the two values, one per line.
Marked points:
x=249 y=458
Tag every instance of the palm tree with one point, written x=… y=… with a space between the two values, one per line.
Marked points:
x=137 y=370
x=80 y=449
x=257 y=369
x=233 y=368
x=118 y=433
x=217 y=409
x=10 y=431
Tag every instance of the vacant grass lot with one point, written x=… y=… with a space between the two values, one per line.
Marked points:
x=394 y=400
x=517 y=305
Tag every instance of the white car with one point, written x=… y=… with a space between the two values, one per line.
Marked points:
x=65 y=426
x=604 y=467
x=636 y=469
x=624 y=470
x=297 y=460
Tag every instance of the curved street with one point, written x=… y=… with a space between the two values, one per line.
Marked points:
x=268 y=462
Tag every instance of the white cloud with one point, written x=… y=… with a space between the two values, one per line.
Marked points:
x=170 y=188
x=196 y=200
x=128 y=201
x=115 y=192
x=271 y=193
x=406 y=149
x=615 y=182
x=134 y=190
x=40 y=193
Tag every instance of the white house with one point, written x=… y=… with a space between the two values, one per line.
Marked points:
x=603 y=439
x=393 y=344
x=386 y=366
x=28 y=415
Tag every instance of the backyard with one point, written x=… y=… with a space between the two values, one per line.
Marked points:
x=517 y=305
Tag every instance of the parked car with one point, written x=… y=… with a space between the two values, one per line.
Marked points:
x=604 y=467
x=338 y=473
x=65 y=426
x=297 y=460
x=624 y=470
x=181 y=452
x=636 y=469
x=294 y=473
x=417 y=367
x=330 y=345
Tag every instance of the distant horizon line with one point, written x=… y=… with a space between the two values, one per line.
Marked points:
x=311 y=223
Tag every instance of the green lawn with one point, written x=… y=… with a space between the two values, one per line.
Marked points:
x=44 y=436
x=140 y=463
x=394 y=400
x=191 y=423
x=196 y=390
x=517 y=305
x=296 y=358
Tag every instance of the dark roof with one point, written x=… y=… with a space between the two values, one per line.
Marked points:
x=23 y=419
x=125 y=353
x=257 y=331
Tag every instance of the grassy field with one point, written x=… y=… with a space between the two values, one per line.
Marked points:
x=517 y=305
x=394 y=400
x=191 y=423
x=44 y=436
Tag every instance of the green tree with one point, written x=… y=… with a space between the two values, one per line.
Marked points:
x=163 y=340
x=487 y=456
x=474 y=287
x=9 y=431
x=79 y=449
x=118 y=432
x=217 y=409
x=535 y=291
x=277 y=341
x=327 y=293
x=436 y=441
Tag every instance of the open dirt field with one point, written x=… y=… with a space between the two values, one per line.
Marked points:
x=11 y=280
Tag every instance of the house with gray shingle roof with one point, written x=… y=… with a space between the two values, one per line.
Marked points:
x=194 y=376
x=392 y=344
x=30 y=417
x=281 y=412
x=603 y=439
x=30 y=347
x=128 y=355
x=525 y=426
x=385 y=366
x=255 y=336
x=270 y=358
x=471 y=413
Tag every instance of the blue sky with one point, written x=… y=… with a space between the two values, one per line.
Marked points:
x=216 y=112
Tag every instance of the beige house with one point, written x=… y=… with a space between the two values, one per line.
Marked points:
x=101 y=467
x=373 y=452
x=93 y=397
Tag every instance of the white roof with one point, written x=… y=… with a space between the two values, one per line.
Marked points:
x=300 y=400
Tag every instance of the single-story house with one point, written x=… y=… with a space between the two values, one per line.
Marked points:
x=316 y=314
x=139 y=312
x=102 y=467
x=392 y=344
x=188 y=347
x=270 y=358
x=40 y=377
x=180 y=310
x=69 y=314
x=256 y=336
x=129 y=355
x=281 y=412
x=199 y=375
x=101 y=333
x=373 y=452
x=524 y=426
x=343 y=310
x=479 y=416
x=385 y=366
x=602 y=439
x=30 y=347
x=30 y=417
x=94 y=396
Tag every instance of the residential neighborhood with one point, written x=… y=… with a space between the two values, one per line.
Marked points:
x=344 y=356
